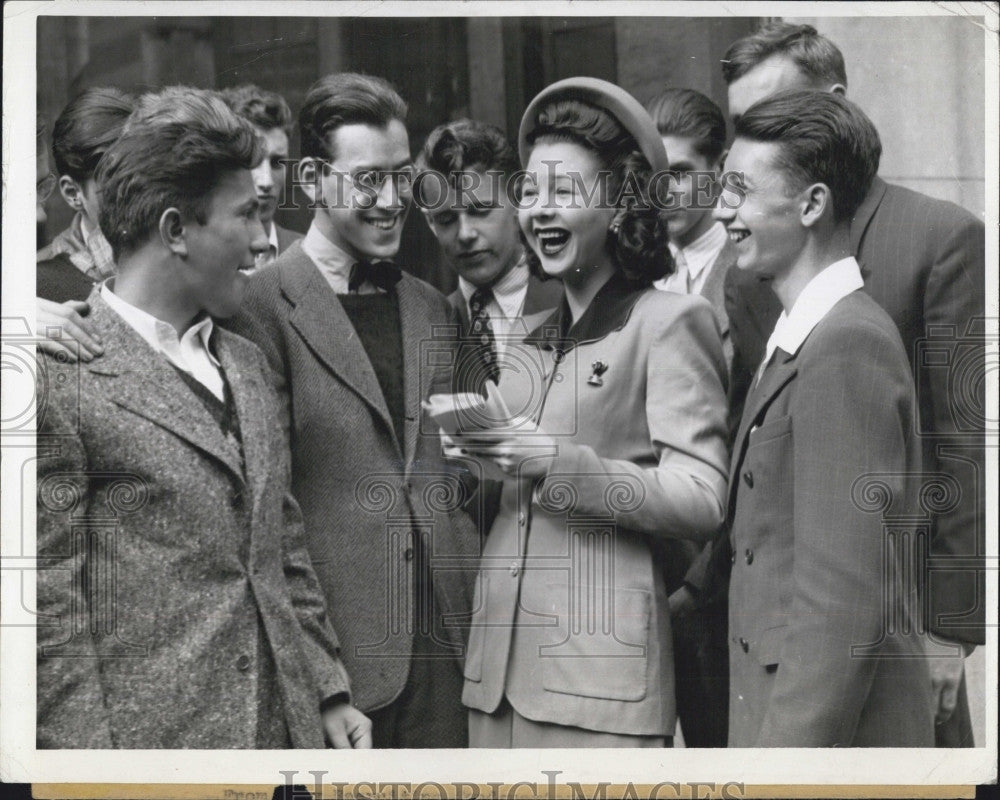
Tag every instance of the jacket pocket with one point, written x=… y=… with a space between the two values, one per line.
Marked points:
x=599 y=645
x=767 y=650
x=771 y=430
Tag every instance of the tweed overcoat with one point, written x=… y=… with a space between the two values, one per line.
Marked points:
x=177 y=603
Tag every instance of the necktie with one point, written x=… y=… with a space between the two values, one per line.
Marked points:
x=482 y=333
x=383 y=274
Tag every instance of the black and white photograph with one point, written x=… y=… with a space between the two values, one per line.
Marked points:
x=558 y=395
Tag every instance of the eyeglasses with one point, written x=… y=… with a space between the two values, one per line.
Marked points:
x=44 y=188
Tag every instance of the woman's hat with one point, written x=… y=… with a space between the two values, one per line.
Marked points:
x=613 y=99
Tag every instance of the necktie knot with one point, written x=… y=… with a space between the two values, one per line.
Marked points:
x=382 y=274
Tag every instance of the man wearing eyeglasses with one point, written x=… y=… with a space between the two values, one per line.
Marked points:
x=343 y=328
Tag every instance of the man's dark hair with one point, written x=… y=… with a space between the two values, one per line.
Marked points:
x=177 y=146
x=87 y=126
x=685 y=112
x=466 y=145
x=815 y=55
x=822 y=138
x=345 y=98
x=266 y=110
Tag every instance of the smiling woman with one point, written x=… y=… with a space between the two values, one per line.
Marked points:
x=624 y=423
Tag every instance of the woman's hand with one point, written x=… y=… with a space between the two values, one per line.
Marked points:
x=523 y=452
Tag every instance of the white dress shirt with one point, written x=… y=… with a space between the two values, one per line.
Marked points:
x=188 y=351
x=698 y=258
x=507 y=302
x=333 y=262
x=821 y=294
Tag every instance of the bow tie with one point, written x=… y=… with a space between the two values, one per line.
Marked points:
x=383 y=274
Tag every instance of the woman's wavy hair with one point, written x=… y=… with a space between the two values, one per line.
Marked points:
x=639 y=245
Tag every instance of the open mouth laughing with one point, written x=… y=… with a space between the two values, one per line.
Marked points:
x=552 y=241
x=383 y=223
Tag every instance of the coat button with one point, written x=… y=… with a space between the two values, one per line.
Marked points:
x=243 y=663
x=514 y=569
x=521 y=518
x=749 y=555
x=732 y=557
x=745 y=645
x=748 y=478
x=408 y=554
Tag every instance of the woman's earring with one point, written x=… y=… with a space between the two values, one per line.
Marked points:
x=616 y=225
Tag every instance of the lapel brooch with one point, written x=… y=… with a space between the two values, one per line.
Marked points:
x=599 y=368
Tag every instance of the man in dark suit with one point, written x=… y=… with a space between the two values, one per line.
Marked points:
x=270 y=115
x=694 y=135
x=188 y=615
x=923 y=261
x=356 y=345
x=828 y=425
x=469 y=203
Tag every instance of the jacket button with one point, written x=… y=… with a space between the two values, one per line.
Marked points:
x=408 y=554
x=521 y=518
x=748 y=478
x=749 y=555
x=745 y=645
x=732 y=557
x=514 y=569
x=243 y=663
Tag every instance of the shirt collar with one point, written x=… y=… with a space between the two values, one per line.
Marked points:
x=333 y=261
x=814 y=302
x=508 y=292
x=272 y=237
x=704 y=250
x=159 y=334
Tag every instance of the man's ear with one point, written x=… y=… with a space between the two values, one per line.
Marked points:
x=307 y=177
x=817 y=202
x=71 y=192
x=173 y=232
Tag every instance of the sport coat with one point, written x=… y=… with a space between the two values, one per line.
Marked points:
x=571 y=621
x=923 y=261
x=185 y=612
x=826 y=447
x=362 y=491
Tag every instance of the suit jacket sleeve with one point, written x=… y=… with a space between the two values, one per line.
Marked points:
x=851 y=415
x=955 y=297
x=684 y=494
x=71 y=711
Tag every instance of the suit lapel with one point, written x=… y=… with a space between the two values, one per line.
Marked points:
x=776 y=376
x=248 y=395
x=148 y=385
x=457 y=300
x=321 y=321
x=414 y=322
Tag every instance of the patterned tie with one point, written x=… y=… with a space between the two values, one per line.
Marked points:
x=383 y=274
x=482 y=332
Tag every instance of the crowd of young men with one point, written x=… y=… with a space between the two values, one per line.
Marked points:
x=296 y=561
